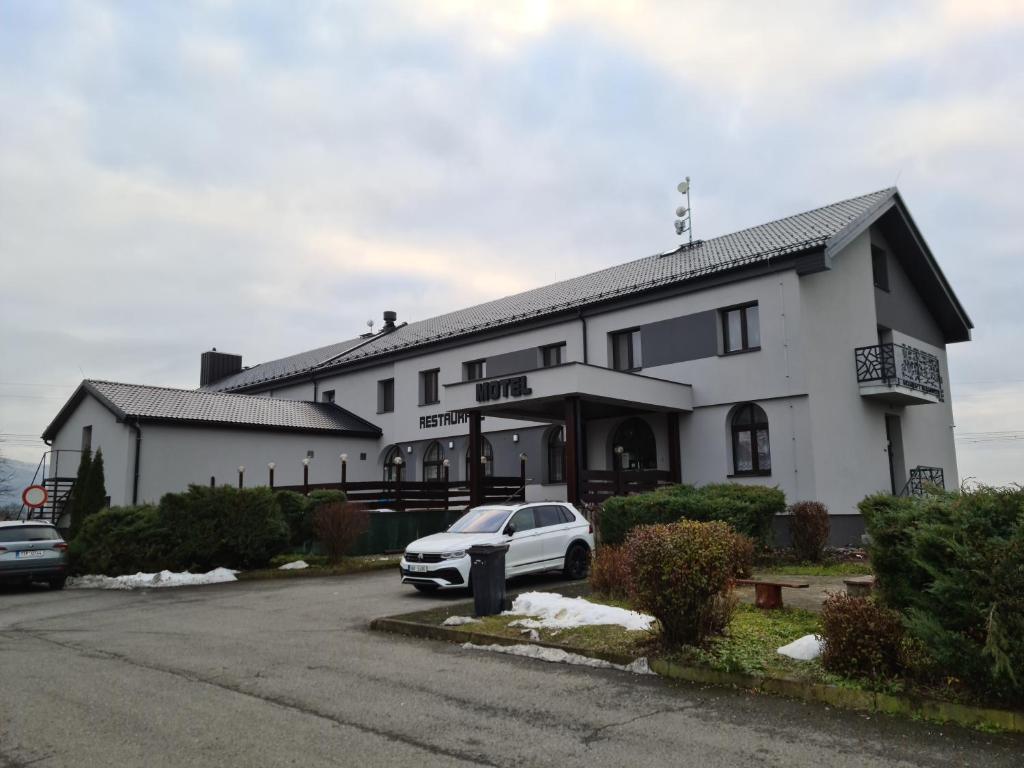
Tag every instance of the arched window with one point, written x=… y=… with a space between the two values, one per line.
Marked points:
x=750 y=451
x=556 y=455
x=390 y=471
x=639 y=449
x=433 y=462
x=487 y=452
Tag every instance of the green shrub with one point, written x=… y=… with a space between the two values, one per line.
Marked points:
x=298 y=512
x=120 y=540
x=223 y=526
x=609 y=572
x=808 y=529
x=953 y=565
x=680 y=573
x=861 y=638
x=749 y=509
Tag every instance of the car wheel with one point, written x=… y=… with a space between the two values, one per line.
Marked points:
x=426 y=588
x=58 y=583
x=577 y=562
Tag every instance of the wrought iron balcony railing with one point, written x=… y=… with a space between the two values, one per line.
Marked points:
x=923 y=478
x=899 y=365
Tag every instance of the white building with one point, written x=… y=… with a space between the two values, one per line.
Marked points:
x=808 y=353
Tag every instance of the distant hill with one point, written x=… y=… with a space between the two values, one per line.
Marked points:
x=22 y=477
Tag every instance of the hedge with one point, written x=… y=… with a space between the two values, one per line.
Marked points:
x=298 y=513
x=200 y=529
x=953 y=565
x=749 y=509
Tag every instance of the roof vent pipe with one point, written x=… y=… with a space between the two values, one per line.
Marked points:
x=389 y=320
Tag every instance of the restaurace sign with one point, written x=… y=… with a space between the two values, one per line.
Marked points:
x=514 y=386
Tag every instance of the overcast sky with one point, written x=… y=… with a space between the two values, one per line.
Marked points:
x=266 y=176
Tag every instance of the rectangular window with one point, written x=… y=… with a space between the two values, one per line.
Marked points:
x=429 y=393
x=87 y=439
x=879 y=268
x=473 y=370
x=626 y=350
x=327 y=396
x=385 y=396
x=551 y=355
x=741 y=328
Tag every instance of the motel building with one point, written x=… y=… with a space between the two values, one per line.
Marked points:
x=807 y=353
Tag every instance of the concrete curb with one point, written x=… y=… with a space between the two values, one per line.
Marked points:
x=832 y=695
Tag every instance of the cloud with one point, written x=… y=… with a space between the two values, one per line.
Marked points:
x=265 y=178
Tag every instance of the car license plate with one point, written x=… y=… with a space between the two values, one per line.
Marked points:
x=417 y=568
x=29 y=553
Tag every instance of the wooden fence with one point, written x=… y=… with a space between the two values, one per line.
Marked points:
x=599 y=485
x=407 y=495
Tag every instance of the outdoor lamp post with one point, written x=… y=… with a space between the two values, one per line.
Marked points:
x=399 y=461
x=344 y=467
x=445 y=465
x=618 y=469
x=270 y=469
x=305 y=475
x=241 y=474
x=522 y=473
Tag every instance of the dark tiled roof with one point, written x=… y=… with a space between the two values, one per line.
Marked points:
x=803 y=231
x=185 y=405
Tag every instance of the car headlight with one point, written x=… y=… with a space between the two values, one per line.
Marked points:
x=457 y=554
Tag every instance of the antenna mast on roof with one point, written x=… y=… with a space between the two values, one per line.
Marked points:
x=684 y=221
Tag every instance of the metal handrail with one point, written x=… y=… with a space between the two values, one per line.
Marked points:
x=899 y=365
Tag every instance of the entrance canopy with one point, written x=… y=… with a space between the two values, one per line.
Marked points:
x=540 y=395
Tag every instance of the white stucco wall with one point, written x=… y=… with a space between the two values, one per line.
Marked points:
x=116 y=441
x=175 y=456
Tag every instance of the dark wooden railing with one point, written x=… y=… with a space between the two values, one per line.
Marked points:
x=598 y=485
x=406 y=495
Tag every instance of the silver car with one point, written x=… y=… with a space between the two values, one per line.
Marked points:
x=31 y=550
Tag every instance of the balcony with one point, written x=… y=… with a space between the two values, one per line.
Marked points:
x=898 y=374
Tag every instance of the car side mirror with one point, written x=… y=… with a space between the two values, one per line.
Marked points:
x=510 y=530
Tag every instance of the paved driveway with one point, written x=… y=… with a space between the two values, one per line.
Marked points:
x=283 y=673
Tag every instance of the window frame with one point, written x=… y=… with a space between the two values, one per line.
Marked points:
x=469 y=367
x=745 y=345
x=633 y=363
x=433 y=462
x=327 y=396
x=547 y=349
x=430 y=375
x=386 y=391
x=750 y=429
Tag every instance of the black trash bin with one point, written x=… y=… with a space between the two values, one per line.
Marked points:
x=488 y=578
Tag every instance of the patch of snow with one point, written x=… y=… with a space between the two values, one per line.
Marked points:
x=558 y=656
x=547 y=610
x=294 y=565
x=458 y=621
x=149 y=580
x=803 y=649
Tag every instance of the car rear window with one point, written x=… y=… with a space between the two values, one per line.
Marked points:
x=549 y=516
x=28 y=533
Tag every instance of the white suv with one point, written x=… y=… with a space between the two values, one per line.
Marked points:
x=542 y=536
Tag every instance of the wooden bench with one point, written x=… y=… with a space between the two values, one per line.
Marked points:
x=859 y=586
x=768 y=594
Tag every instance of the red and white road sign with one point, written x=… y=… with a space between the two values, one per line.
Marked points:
x=34 y=496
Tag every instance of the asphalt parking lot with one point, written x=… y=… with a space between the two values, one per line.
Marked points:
x=285 y=672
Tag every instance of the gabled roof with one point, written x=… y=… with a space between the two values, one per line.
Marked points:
x=825 y=228
x=187 y=406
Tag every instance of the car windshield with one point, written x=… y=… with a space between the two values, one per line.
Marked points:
x=480 y=520
x=28 y=533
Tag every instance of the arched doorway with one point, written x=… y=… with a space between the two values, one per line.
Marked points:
x=488 y=453
x=639 y=450
x=555 y=446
